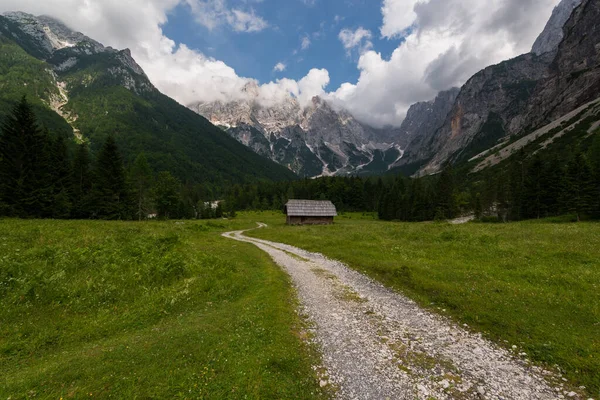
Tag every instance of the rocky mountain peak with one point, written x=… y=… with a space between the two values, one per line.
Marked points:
x=251 y=89
x=49 y=34
x=553 y=34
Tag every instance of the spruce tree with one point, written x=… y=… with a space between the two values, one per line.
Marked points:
x=25 y=181
x=141 y=180
x=594 y=158
x=516 y=189
x=579 y=186
x=445 y=204
x=81 y=185
x=550 y=181
x=166 y=195
x=61 y=179
x=533 y=190
x=110 y=194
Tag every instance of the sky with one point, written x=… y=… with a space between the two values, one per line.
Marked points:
x=373 y=57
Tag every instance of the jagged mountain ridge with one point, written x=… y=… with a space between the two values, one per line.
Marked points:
x=312 y=141
x=420 y=125
x=552 y=34
x=517 y=96
x=100 y=91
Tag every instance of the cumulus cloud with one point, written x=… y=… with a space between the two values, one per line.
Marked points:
x=180 y=72
x=441 y=44
x=444 y=42
x=360 y=38
x=214 y=13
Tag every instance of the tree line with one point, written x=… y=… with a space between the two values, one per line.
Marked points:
x=527 y=187
x=39 y=179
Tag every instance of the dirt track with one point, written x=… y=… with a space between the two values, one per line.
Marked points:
x=377 y=344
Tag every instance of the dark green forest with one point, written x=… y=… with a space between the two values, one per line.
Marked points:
x=41 y=178
x=125 y=105
x=565 y=181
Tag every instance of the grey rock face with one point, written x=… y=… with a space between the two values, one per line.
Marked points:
x=312 y=141
x=50 y=34
x=422 y=122
x=518 y=95
x=64 y=49
x=552 y=35
x=486 y=110
x=575 y=72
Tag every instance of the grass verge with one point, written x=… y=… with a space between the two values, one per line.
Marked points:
x=146 y=310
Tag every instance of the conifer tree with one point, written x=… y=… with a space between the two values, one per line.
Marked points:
x=81 y=186
x=61 y=178
x=25 y=182
x=594 y=158
x=141 y=180
x=166 y=195
x=516 y=185
x=445 y=195
x=579 y=186
x=533 y=190
x=110 y=193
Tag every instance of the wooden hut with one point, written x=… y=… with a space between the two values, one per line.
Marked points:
x=308 y=212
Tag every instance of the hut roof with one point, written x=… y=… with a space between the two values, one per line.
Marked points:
x=309 y=208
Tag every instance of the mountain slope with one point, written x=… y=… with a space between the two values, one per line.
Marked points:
x=102 y=91
x=518 y=96
x=552 y=35
x=311 y=141
x=419 y=127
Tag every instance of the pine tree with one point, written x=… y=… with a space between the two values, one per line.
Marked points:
x=25 y=181
x=219 y=211
x=594 y=158
x=81 y=183
x=110 y=193
x=550 y=181
x=141 y=180
x=445 y=195
x=166 y=195
x=579 y=186
x=516 y=188
x=61 y=179
x=533 y=190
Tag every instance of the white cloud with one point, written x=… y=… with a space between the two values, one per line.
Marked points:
x=279 y=67
x=360 y=38
x=214 y=13
x=398 y=16
x=305 y=43
x=178 y=71
x=445 y=43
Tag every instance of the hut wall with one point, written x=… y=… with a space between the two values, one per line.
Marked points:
x=309 y=220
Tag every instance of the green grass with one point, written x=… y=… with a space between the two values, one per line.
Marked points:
x=146 y=310
x=533 y=284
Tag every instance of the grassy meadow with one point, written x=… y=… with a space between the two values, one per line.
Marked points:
x=534 y=285
x=146 y=310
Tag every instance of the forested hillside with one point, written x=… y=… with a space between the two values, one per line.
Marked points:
x=101 y=91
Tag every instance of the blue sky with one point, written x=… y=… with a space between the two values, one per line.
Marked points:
x=254 y=54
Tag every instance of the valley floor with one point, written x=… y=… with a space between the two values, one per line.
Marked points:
x=165 y=310
x=378 y=344
x=533 y=288
x=175 y=310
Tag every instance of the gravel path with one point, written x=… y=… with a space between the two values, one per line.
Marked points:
x=377 y=344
